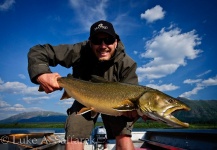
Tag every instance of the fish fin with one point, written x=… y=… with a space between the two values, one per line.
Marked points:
x=126 y=105
x=40 y=89
x=84 y=110
x=65 y=95
x=93 y=114
x=98 y=79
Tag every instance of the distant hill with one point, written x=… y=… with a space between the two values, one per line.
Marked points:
x=202 y=111
x=36 y=116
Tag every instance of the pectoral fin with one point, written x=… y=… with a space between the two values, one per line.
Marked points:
x=125 y=105
x=93 y=114
x=84 y=110
x=65 y=95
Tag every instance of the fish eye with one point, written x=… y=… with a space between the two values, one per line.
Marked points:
x=170 y=100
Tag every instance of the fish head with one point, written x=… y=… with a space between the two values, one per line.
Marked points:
x=160 y=106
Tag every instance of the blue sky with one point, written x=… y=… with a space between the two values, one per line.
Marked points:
x=172 y=41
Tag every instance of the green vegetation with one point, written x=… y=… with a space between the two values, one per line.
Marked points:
x=32 y=125
x=147 y=125
x=157 y=125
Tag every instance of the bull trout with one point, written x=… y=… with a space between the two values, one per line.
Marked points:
x=114 y=98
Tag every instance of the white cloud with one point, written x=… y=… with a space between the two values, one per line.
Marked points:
x=17 y=107
x=135 y=52
x=35 y=99
x=5 y=107
x=12 y=87
x=19 y=88
x=167 y=51
x=153 y=14
x=200 y=86
x=163 y=87
x=7 y=110
x=89 y=11
x=192 y=92
x=210 y=81
x=190 y=81
x=204 y=73
x=1 y=81
x=3 y=104
x=65 y=104
x=22 y=76
x=29 y=94
x=6 y=5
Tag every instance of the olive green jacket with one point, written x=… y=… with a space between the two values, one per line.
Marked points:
x=120 y=68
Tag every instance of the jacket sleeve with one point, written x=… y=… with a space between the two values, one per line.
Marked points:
x=129 y=71
x=40 y=57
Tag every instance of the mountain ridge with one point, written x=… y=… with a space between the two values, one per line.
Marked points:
x=36 y=116
x=202 y=111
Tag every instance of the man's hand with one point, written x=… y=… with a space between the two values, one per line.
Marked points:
x=48 y=82
x=133 y=114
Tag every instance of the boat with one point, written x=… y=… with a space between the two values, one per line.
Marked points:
x=148 y=139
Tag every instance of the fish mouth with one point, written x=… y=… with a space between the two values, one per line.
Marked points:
x=169 y=119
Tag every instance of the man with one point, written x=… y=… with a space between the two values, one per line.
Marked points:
x=102 y=55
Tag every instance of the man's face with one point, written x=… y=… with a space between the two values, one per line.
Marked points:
x=103 y=46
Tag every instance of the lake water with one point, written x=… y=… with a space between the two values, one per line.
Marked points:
x=61 y=130
x=30 y=130
x=185 y=138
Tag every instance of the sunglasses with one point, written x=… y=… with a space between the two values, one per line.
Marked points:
x=107 y=40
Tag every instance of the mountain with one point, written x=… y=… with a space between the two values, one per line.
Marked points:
x=202 y=111
x=36 y=116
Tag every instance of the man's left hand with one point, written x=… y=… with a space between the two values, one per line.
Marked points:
x=133 y=114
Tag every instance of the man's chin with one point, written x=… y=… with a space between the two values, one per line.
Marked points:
x=103 y=58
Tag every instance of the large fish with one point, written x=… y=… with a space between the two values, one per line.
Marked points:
x=114 y=98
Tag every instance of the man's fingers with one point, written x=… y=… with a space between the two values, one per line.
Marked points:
x=131 y=114
x=54 y=84
x=48 y=82
x=144 y=117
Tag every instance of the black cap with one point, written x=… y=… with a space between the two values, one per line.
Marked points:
x=102 y=26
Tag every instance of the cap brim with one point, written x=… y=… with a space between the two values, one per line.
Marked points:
x=116 y=36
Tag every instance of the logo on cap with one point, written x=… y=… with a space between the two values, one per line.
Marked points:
x=100 y=26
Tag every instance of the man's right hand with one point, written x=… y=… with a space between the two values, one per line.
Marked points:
x=48 y=81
